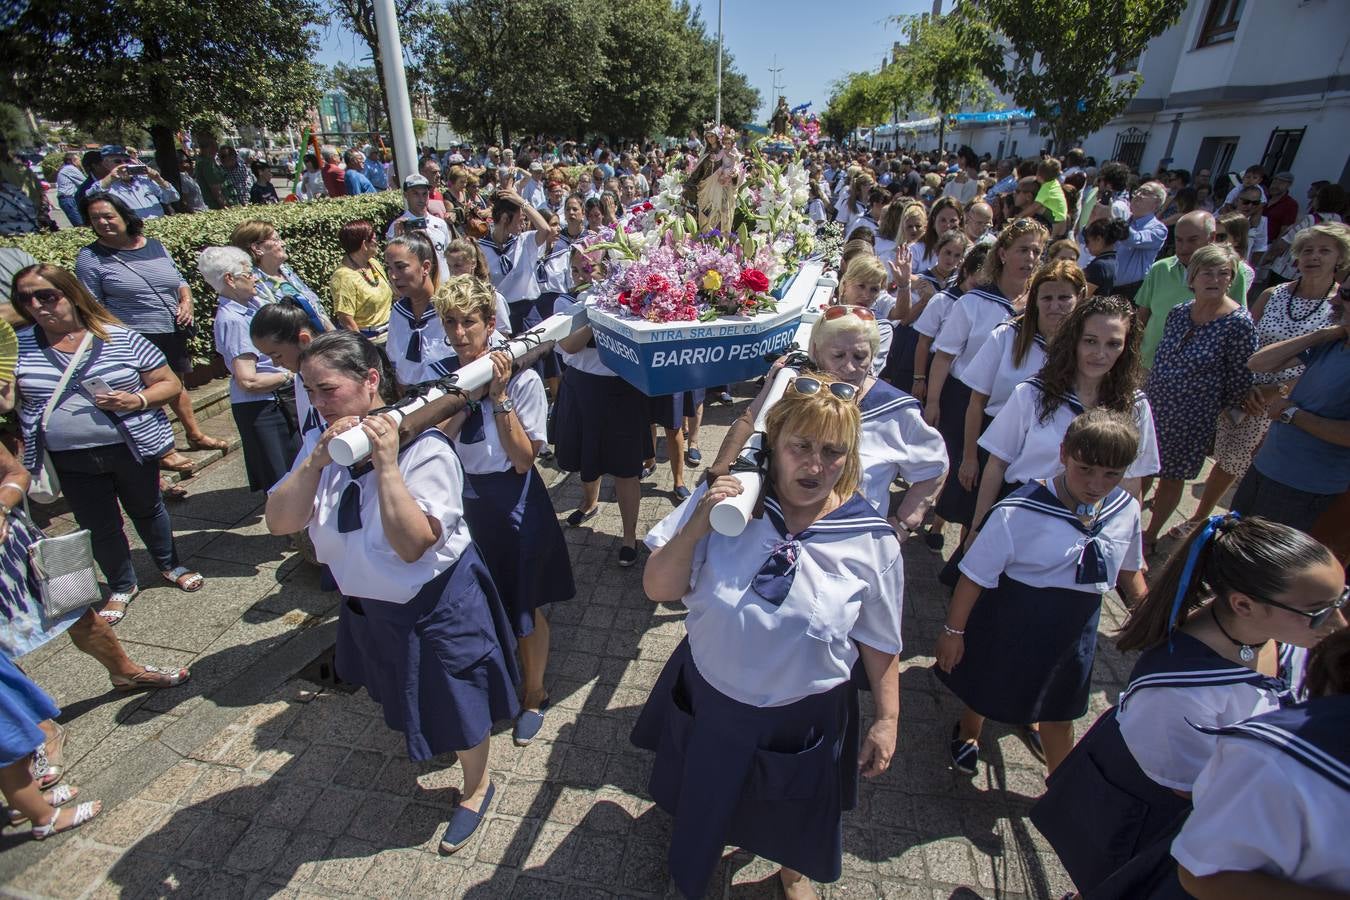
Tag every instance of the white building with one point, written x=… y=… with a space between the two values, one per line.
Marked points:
x=1233 y=83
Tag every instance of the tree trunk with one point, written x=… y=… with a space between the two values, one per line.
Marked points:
x=942 y=130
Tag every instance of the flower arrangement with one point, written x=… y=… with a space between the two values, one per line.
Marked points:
x=658 y=265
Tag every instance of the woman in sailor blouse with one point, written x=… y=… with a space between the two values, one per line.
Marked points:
x=1021 y=631
x=1211 y=630
x=1271 y=803
x=1016 y=352
x=416 y=338
x=508 y=509
x=421 y=625
x=754 y=719
x=1092 y=361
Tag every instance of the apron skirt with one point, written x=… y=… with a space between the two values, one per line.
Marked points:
x=670 y=411
x=601 y=426
x=1028 y=655
x=899 y=368
x=771 y=780
x=526 y=314
x=516 y=530
x=1111 y=825
x=442 y=666
x=955 y=503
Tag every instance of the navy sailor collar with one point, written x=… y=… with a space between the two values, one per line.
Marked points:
x=403 y=306
x=1037 y=497
x=854 y=516
x=992 y=294
x=1312 y=733
x=1190 y=663
x=881 y=399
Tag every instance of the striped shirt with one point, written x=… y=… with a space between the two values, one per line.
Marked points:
x=120 y=361
x=140 y=287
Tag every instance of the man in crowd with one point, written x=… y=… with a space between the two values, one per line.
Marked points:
x=1006 y=184
x=355 y=176
x=334 y=180
x=374 y=169
x=238 y=179
x=532 y=188
x=23 y=202
x=1281 y=207
x=210 y=176
x=1165 y=284
x=909 y=180
x=416 y=217
x=1136 y=253
x=431 y=171
x=69 y=178
x=140 y=187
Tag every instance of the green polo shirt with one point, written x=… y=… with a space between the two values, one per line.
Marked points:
x=1051 y=196
x=210 y=175
x=1163 y=288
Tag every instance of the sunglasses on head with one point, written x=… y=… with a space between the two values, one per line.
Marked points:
x=838 y=312
x=805 y=384
x=42 y=295
x=1316 y=618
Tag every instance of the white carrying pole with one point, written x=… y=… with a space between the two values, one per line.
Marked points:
x=730 y=517
x=396 y=86
x=352 y=446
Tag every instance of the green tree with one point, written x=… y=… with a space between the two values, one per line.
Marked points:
x=698 y=94
x=163 y=64
x=1059 y=58
x=364 y=92
x=941 y=65
x=648 y=49
x=861 y=99
x=359 y=16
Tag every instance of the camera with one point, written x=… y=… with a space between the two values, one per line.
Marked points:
x=136 y=169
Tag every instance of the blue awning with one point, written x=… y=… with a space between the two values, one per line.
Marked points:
x=991 y=117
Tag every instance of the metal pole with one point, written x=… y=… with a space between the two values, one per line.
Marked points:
x=717 y=107
x=400 y=110
x=773 y=71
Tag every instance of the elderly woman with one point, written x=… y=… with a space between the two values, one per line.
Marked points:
x=421 y=625
x=359 y=287
x=136 y=280
x=104 y=432
x=1199 y=372
x=276 y=280
x=754 y=719
x=261 y=393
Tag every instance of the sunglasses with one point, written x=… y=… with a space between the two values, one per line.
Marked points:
x=1317 y=618
x=42 y=295
x=838 y=312
x=1252 y=201
x=805 y=384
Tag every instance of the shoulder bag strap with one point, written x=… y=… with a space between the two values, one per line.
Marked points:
x=65 y=379
x=173 y=307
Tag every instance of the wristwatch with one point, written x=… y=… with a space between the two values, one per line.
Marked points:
x=1287 y=414
x=504 y=406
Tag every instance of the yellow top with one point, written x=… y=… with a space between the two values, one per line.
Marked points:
x=364 y=295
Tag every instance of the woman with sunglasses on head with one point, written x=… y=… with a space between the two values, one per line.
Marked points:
x=106 y=429
x=1011 y=263
x=754 y=719
x=506 y=504
x=1211 y=630
x=416 y=337
x=1265 y=799
x=421 y=625
x=1021 y=631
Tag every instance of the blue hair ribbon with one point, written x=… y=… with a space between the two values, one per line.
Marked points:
x=1188 y=572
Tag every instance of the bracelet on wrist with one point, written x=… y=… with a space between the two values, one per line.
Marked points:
x=145 y=404
x=920 y=377
x=947 y=629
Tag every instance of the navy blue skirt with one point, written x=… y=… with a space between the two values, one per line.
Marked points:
x=1111 y=825
x=899 y=369
x=1028 y=655
x=516 y=530
x=600 y=426
x=269 y=439
x=950 y=573
x=774 y=781
x=442 y=666
x=526 y=314
x=22 y=706
x=669 y=411
x=955 y=503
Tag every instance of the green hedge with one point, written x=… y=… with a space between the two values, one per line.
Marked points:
x=309 y=229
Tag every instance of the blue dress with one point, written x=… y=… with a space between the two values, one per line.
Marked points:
x=1199 y=372
x=22 y=706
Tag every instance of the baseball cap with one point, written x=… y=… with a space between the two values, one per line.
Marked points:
x=536 y=166
x=415 y=181
x=108 y=150
x=456 y=158
x=1283 y=176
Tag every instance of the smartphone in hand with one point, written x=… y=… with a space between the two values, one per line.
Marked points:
x=96 y=386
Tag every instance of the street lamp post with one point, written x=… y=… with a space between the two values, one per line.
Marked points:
x=774 y=85
x=717 y=106
x=400 y=110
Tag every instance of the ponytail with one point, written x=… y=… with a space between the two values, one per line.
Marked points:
x=1227 y=554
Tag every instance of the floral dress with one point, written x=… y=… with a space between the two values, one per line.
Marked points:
x=1200 y=371
x=1287 y=315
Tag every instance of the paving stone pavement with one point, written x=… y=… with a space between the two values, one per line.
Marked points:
x=239 y=785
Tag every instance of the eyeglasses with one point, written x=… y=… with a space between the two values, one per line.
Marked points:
x=805 y=384
x=1249 y=201
x=1220 y=236
x=1317 y=618
x=838 y=312
x=42 y=295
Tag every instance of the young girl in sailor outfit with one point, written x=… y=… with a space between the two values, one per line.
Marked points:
x=416 y=338
x=863 y=284
x=506 y=504
x=1209 y=630
x=282 y=331
x=421 y=625
x=913 y=292
x=1093 y=360
x=1021 y=630
x=464 y=257
x=944 y=216
x=754 y=719
x=1014 y=353
x=1273 y=803
x=1010 y=264
x=513 y=251
x=600 y=424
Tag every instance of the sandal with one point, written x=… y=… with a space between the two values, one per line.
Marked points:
x=172 y=491
x=151 y=678
x=113 y=616
x=58 y=796
x=186 y=579
x=206 y=442
x=175 y=462
x=47 y=767
x=82 y=813
x=1182 y=530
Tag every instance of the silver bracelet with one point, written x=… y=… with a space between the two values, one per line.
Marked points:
x=950 y=630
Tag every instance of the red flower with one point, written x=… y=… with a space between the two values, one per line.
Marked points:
x=754 y=280
x=647 y=207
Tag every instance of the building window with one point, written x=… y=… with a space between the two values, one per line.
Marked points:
x=1221 y=22
x=1216 y=154
x=1281 y=149
x=1127 y=66
x=1130 y=145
